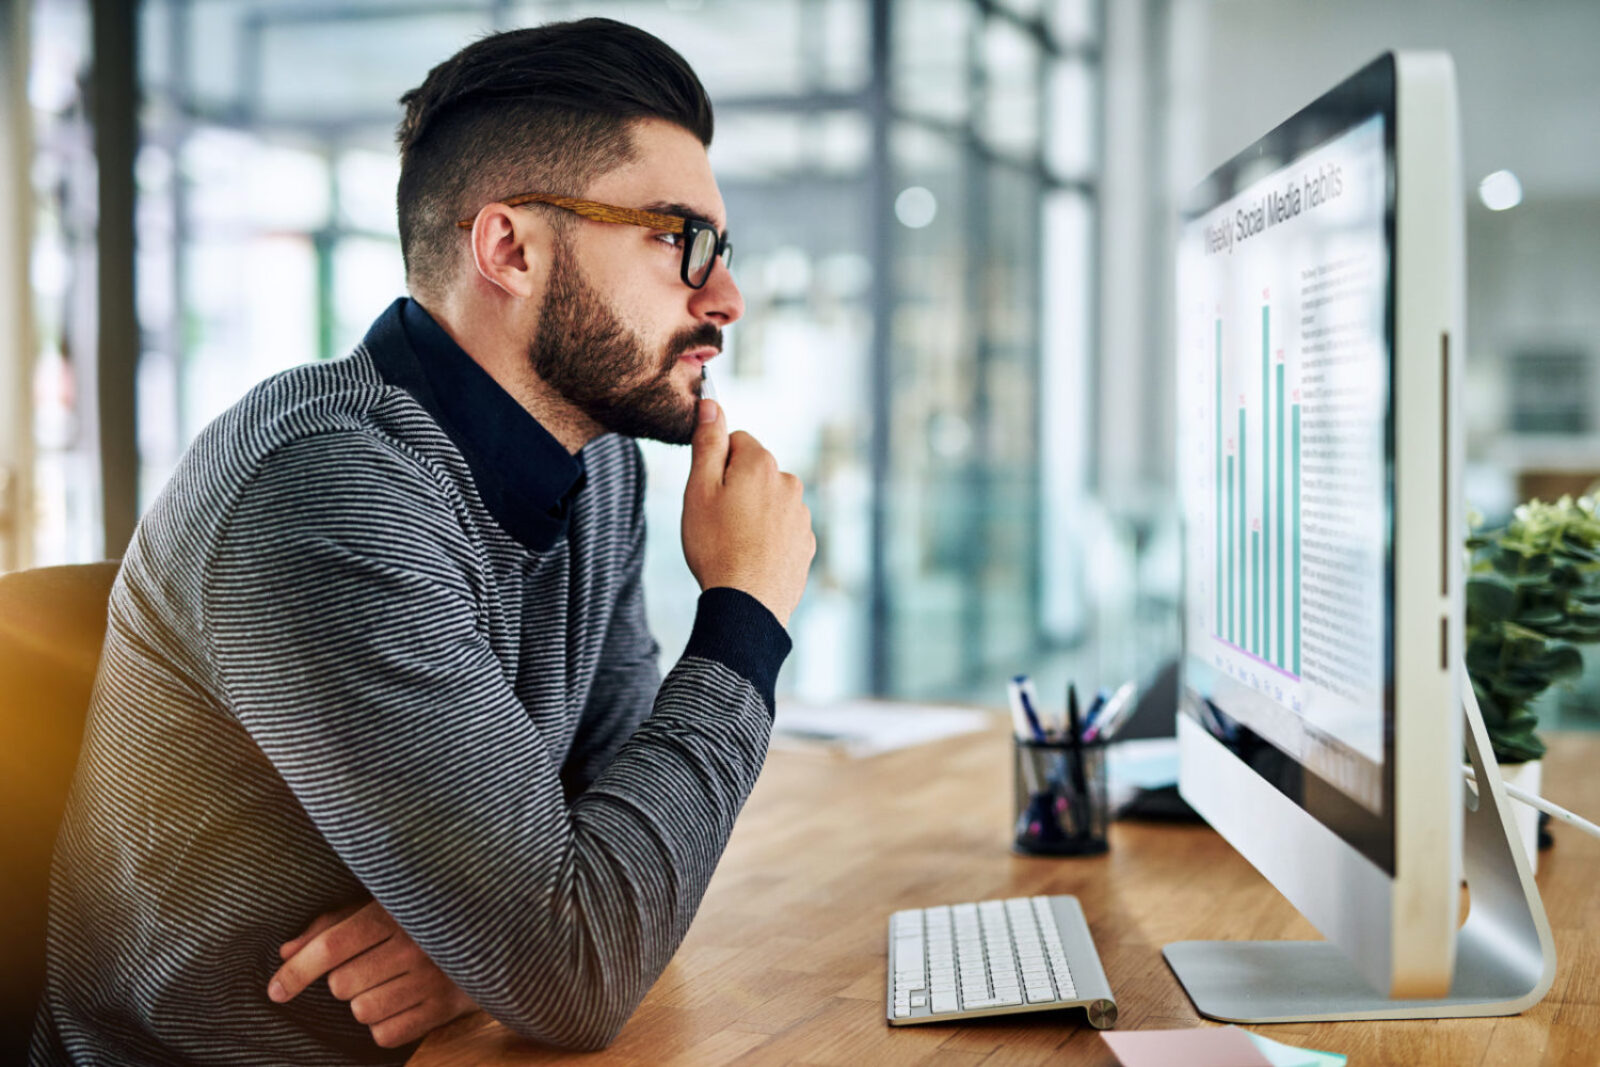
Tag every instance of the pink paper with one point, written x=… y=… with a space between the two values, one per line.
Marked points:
x=1204 y=1047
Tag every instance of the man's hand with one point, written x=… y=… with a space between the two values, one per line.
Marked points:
x=394 y=989
x=745 y=524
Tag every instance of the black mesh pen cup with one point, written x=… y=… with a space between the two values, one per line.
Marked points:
x=1059 y=805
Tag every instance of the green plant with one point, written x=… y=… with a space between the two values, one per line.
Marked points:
x=1533 y=595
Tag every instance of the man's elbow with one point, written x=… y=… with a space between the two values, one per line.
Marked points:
x=600 y=1035
x=592 y=1025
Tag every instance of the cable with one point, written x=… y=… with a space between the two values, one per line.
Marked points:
x=1553 y=810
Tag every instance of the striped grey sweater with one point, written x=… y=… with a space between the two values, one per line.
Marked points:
x=331 y=672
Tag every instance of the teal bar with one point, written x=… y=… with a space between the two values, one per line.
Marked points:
x=1219 y=545
x=1231 y=637
x=1279 y=659
x=1244 y=535
x=1294 y=479
x=1265 y=651
x=1255 y=601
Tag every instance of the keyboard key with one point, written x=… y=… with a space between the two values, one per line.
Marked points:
x=944 y=1002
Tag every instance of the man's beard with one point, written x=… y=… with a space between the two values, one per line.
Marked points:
x=585 y=353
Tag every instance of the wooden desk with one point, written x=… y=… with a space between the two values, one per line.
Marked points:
x=785 y=962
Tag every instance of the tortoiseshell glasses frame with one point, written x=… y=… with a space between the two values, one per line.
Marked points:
x=703 y=245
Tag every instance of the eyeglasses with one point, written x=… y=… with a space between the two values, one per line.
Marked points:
x=702 y=244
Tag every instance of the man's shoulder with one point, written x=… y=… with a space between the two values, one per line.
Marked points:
x=337 y=397
x=312 y=433
x=342 y=394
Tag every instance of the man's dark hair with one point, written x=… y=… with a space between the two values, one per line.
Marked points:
x=544 y=109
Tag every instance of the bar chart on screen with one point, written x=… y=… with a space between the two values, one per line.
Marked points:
x=1285 y=431
x=1285 y=380
x=1284 y=443
x=1258 y=613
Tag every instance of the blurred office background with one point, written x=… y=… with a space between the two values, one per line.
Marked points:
x=953 y=221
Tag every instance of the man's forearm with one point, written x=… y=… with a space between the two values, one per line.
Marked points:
x=569 y=968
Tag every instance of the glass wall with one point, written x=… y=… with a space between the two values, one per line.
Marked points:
x=913 y=187
x=993 y=131
x=66 y=484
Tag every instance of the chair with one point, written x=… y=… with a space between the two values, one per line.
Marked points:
x=52 y=624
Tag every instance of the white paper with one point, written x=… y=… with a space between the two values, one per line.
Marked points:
x=860 y=728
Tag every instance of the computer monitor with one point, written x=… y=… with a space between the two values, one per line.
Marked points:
x=1320 y=724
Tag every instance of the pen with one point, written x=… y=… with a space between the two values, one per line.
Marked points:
x=1025 y=692
x=1114 y=715
x=1094 y=711
x=707 y=390
x=1075 y=741
x=1043 y=719
x=1019 y=714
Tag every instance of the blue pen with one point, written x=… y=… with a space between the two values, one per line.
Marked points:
x=1094 y=711
x=1019 y=716
x=1024 y=688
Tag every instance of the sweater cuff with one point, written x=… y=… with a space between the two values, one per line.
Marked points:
x=736 y=630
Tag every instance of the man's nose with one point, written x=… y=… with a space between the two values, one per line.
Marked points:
x=719 y=300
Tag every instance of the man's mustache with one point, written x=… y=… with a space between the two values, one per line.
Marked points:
x=705 y=335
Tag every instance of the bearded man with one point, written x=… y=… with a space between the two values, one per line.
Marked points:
x=378 y=701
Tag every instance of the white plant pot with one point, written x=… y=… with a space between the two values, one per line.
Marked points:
x=1526 y=777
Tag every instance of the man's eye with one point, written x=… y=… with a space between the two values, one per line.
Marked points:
x=672 y=240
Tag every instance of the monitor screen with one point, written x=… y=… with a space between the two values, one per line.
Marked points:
x=1286 y=338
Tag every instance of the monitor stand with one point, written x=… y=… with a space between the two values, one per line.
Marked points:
x=1505 y=957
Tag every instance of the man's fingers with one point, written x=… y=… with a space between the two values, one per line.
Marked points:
x=382 y=962
x=319 y=924
x=391 y=998
x=340 y=942
x=413 y=1024
x=710 y=445
x=746 y=453
x=417 y=1021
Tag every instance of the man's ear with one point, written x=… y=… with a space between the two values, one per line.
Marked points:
x=511 y=249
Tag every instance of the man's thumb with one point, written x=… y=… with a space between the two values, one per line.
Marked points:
x=710 y=443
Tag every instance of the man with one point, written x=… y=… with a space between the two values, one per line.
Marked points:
x=377 y=672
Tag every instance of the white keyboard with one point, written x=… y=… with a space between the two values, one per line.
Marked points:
x=995 y=957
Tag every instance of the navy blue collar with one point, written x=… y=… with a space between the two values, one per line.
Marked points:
x=525 y=477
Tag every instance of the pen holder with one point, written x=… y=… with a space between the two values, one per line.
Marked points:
x=1059 y=803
